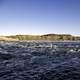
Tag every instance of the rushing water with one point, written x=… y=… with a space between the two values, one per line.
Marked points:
x=38 y=60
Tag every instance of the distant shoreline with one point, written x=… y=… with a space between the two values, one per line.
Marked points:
x=46 y=37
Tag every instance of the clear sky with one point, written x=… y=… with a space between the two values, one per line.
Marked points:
x=39 y=17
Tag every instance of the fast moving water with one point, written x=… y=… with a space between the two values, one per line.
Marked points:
x=39 y=60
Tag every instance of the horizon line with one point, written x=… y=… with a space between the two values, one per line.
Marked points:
x=40 y=34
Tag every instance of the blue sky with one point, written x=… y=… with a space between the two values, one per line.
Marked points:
x=39 y=17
